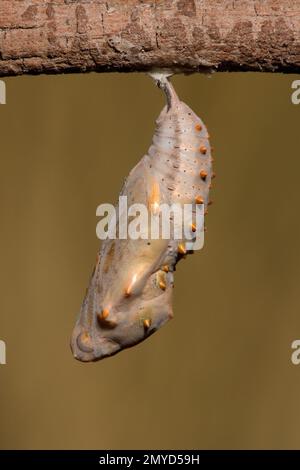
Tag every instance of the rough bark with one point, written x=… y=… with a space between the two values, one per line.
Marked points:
x=60 y=36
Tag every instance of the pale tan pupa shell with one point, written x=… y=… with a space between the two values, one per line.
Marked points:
x=130 y=292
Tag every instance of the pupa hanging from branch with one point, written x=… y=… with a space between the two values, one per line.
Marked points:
x=130 y=292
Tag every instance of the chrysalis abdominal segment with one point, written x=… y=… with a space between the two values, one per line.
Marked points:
x=130 y=292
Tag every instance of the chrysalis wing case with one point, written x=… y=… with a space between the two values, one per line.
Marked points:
x=130 y=292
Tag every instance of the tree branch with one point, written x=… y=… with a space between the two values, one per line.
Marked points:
x=61 y=36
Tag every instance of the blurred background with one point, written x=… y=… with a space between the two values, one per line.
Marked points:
x=219 y=375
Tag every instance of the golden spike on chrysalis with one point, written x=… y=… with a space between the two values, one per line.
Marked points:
x=147 y=323
x=154 y=198
x=193 y=227
x=104 y=321
x=85 y=338
x=161 y=280
x=103 y=314
x=165 y=268
x=128 y=290
x=181 y=249
x=199 y=200
x=203 y=174
x=203 y=149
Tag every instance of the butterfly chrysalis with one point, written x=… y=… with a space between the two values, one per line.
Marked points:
x=130 y=292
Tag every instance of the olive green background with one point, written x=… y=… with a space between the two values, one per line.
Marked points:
x=220 y=374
